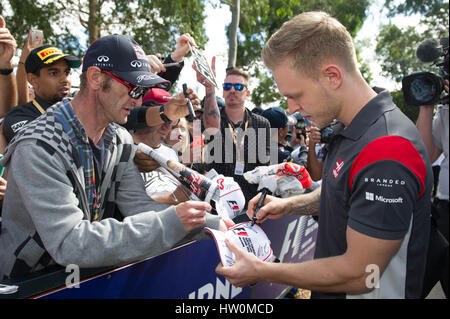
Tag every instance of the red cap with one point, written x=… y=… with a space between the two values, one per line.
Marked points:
x=156 y=96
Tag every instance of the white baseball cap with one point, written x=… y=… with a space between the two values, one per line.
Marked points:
x=231 y=199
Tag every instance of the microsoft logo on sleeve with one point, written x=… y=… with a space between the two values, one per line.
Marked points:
x=372 y=197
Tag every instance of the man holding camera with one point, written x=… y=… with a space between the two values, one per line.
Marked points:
x=434 y=129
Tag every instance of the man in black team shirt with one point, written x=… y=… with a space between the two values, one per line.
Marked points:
x=374 y=212
x=48 y=71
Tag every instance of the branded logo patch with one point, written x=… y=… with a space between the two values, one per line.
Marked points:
x=233 y=205
x=384 y=182
x=241 y=232
x=338 y=167
x=144 y=77
x=103 y=58
x=379 y=198
x=18 y=126
x=43 y=54
x=136 y=63
x=139 y=63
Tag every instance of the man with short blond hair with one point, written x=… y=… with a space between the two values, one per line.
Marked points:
x=374 y=212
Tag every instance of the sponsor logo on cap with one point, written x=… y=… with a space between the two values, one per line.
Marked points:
x=145 y=77
x=103 y=58
x=233 y=205
x=139 y=63
x=140 y=54
x=136 y=63
x=47 y=52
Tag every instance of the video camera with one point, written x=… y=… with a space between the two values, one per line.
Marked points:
x=425 y=88
x=302 y=123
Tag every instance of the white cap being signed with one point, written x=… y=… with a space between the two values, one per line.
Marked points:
x=231 y=201
x=250 y=238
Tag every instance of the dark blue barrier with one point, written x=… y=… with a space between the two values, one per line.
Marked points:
x=188 y=271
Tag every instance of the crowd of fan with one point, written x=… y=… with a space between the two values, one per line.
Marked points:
x=80 y=145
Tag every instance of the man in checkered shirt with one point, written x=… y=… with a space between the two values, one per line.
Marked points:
x=70 y=168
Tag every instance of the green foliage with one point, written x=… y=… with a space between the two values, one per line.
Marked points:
x=396 y=48
x=261 y=18
x=410 y=111
x=266 y=91
x=28 y=14
x=159 y=22
x=155 y=24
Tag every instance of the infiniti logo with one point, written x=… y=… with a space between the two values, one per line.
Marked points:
x=103 y=58
x=136 y=63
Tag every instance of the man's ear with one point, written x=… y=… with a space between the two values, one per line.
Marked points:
x=332 y=74
x=33 y=80
x=95 y=77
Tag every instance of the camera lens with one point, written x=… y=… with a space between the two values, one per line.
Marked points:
x=301 y=124
x=422 y=88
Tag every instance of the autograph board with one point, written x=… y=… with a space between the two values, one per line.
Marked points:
x=202 y=65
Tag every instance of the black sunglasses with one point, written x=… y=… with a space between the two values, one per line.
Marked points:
x=237 y=86
x=134 y=91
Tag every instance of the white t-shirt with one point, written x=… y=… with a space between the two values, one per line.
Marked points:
x=440 y=139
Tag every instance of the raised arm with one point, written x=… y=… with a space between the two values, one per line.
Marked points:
x=8 y=87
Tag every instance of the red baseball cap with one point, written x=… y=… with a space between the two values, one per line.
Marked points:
x=156 y=96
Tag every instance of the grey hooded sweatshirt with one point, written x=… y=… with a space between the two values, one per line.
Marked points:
x=46 y=217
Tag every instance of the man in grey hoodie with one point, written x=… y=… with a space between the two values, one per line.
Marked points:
x=70 y=168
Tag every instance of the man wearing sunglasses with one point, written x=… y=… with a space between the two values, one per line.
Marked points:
x=82 y=169
x=239 y=153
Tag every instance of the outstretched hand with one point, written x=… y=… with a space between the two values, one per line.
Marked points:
x=192 y=214
x=182 y=48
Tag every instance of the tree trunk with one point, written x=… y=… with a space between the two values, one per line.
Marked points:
x=93 y=27
x=232 y=35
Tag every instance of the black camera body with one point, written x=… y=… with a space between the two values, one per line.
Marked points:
x=325 y=133
x=425 y=88
x=301 y=126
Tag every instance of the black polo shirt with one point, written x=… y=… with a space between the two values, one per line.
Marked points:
x=18 y=116
x=377 y=180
